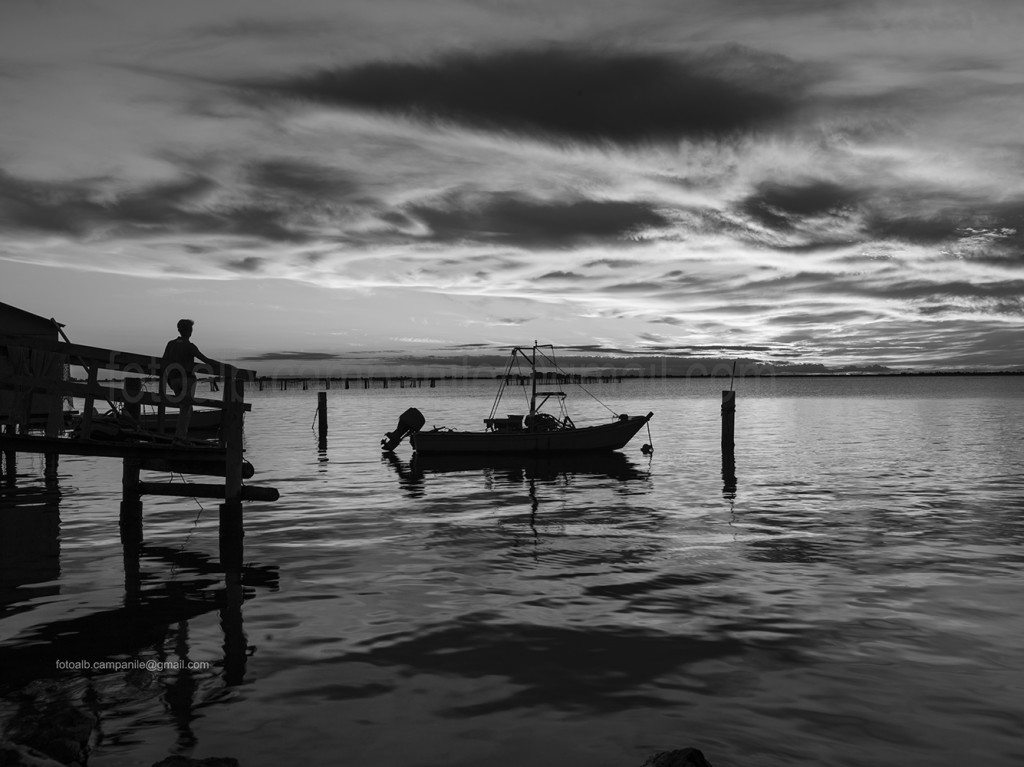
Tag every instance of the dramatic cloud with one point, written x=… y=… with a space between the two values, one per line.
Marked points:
x=518 y=221
x=805 y=181
x=95 y=207
x=578 y=94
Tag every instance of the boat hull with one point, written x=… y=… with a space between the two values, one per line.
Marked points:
x=611 y=436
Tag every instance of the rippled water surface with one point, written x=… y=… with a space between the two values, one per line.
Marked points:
x=854 y=599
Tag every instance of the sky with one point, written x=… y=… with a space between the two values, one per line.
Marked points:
x=324 y=182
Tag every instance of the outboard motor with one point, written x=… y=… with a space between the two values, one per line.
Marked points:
x=410 y=421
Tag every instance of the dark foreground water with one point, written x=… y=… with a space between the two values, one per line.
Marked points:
x=856 y=600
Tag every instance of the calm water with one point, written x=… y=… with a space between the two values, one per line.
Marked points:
x=857 y=599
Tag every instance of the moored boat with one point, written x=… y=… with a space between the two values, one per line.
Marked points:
x=536 y=432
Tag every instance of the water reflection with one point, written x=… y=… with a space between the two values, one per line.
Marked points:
x=66 y=664
x=29 y=545
x=591 y=669
x=612 y=465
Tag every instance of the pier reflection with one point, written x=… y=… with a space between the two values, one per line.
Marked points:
x=67 y=664
x=29 y=545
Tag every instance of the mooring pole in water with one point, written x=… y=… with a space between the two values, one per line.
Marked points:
x=321 y=417
x=728 y=442
x=728 y=420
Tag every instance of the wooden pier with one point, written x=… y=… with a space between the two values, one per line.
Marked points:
x=33 y=384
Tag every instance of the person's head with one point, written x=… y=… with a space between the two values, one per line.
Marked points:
x=185 y=328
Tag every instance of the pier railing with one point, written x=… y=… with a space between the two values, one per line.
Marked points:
x=33 y=380
x=24 y=374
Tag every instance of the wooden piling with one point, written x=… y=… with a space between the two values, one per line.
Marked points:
x=131 y=501
x=728 y=442
x=10 y=460
x=231 y=530
x=728 y=419
x=321 y=414
x=235 y=642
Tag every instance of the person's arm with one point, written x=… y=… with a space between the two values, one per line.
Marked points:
x=203 y=357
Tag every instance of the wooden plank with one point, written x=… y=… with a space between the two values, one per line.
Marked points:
x=31 y=444
x=206 y=490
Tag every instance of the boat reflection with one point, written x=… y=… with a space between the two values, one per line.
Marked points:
x=612 y=465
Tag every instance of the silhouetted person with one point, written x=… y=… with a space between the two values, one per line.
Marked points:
x=179 y=371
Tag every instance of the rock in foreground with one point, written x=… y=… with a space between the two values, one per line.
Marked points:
x=684 y=757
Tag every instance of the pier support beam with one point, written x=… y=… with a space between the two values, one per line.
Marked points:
x=131 y=502
x=231 y=510
x=10 y=462
x=235 y=642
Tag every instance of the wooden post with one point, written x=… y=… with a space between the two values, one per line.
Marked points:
x=132 y=395
x=10 y=460
x=54 y=426
x=161 y=406
x=231 y=531
x=131 y=502
x=321 y=414
x=88 y=406
x=235 y=642
x=728 y=443
x=728 y=420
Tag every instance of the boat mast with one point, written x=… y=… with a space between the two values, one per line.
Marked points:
x=533 y=377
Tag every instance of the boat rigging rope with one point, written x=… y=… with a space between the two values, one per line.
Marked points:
x=589 y=393
x=195 y=524
x=648 y=449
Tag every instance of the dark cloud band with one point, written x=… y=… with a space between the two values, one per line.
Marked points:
x=581 y=95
